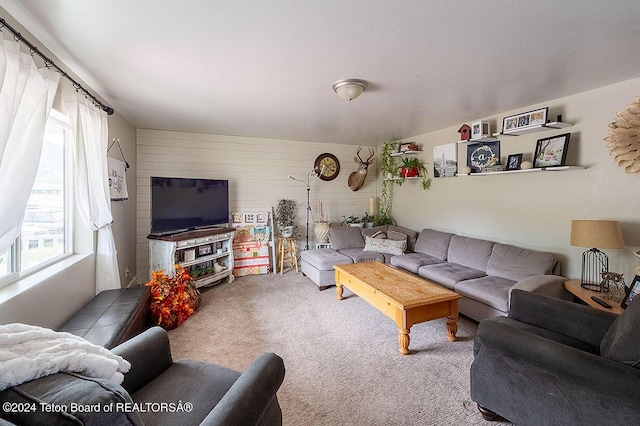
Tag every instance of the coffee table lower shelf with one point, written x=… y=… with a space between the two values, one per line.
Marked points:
x=401 y=296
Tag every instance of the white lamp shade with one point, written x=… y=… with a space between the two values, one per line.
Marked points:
x=349 y=89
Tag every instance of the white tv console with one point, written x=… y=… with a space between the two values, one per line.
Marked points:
x=196 y=251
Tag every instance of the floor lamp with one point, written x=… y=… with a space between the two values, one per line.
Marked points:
x=308 y=185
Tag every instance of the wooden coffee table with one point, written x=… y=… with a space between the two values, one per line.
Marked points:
x=403 y=297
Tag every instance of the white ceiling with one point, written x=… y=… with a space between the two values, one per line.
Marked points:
x=265 y=68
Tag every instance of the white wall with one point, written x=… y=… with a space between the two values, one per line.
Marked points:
x=535 y=210
x=61 y=291
x=124 y=212
x=257 y=171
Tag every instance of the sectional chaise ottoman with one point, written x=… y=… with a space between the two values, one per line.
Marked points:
x=483 y=272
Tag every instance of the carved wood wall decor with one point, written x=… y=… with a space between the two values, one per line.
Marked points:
x=623 y=139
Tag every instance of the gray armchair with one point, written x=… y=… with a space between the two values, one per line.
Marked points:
x=219 y=395
x=156 y=391
x=555 y=362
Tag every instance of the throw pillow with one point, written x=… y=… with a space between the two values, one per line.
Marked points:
x=380 y=245
x=368 y=232
x=621 y=341
x=379 y=234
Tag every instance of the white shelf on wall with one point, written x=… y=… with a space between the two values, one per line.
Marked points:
x=533 y=170
x=538 y=128
x=407 y=178
x=400 y=154
x=484 y=139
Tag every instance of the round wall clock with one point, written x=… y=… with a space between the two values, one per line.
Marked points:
x=327 y=166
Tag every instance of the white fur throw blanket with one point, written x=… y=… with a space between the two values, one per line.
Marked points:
x=28 y=352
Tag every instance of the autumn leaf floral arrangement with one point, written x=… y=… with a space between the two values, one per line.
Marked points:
x=173 y=299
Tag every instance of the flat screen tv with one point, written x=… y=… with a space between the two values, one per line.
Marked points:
x=183 y=204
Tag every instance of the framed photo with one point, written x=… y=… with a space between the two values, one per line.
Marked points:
x=189 y=255
x=514 y=123
x=249 y=218
x=262 y=217
x=445 y=160
x=404 y=146
x=551 y=152
x=514 y=161
x=480 y=129
x=483 y=154
x=204 y=250
x=632 y=293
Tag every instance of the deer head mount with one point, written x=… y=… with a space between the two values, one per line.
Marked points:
x=356 y=179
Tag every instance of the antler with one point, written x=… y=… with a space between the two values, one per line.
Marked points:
x=359 y=160
x=372 y=152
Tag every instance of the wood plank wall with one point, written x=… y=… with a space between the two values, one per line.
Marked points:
x=257 y=171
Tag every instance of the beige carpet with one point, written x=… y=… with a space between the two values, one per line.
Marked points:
x=342 y=360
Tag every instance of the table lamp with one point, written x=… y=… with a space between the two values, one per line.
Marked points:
x=604 y=234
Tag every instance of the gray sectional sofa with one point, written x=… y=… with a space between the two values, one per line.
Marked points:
x=483 y=272
x=347 y=246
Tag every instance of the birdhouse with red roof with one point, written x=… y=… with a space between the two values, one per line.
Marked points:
x=465 y=132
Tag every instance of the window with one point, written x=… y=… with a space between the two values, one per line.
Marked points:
x=45 y=236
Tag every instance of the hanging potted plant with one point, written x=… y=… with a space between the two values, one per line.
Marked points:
x=388 y=165
x=389 y=172
x=412 y=167
x=285 y=217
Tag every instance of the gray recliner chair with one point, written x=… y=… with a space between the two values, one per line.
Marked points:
x=555 y=362
x=156 y=391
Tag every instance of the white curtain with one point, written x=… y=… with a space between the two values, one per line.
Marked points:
x=90 y=133
x=26 y=97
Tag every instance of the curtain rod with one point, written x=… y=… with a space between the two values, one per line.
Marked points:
x=50 y=64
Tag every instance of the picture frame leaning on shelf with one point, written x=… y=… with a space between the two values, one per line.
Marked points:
x=514 y=161
x=514 y=123
x=552 y=151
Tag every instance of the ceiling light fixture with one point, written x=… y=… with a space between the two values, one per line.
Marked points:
x=349 y=88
